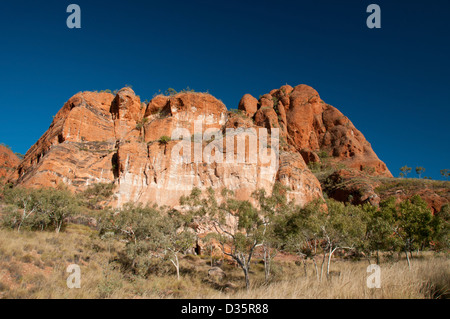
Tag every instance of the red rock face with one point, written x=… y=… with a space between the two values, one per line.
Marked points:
x=98 y=137
x=78 y=147
x=8 y=161
x=313 y=127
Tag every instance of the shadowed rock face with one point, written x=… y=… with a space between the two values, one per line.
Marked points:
x=8 y=161
x=99 y=137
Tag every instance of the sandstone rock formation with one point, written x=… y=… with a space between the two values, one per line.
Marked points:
x=352 y=186
x=435 y=193
x=8 y=161
x=356 y=187
x=249 y=105
x=99 y=137
x=314 y=128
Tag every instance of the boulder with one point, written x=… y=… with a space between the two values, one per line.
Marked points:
x=249 y=105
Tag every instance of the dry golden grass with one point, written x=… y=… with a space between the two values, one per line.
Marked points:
x=428 y=278
x=33 y=265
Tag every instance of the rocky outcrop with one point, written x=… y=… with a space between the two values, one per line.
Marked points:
x=249 y=105
x=435 y=193
x=78 y=149
x=8 y=161
x=99 y=137
x=356 y=187
x=352 y=186
x=316 y=129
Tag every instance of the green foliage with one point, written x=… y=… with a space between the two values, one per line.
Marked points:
x=380 y=232
x=194 y=199
x=445 y=173
x=441 y=229
x=40 y=209
x=237 y=112
x=140 y=125
x=312 y=229
x=323 y=154
x=414 y=223
x=164 y=140
x=403 y=226
x=245 y=236
x=98 y=195
x=275 y=101
x=345 y=225
x=251 y=228
x=299 y=226
x=151 y=233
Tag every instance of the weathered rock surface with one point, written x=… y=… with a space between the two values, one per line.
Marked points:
x=249 y=105
x=78 y=148
x=313 y=127
x=98 y=137
x=8 y=161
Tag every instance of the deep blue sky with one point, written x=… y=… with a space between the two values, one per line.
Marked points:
x=393 y=83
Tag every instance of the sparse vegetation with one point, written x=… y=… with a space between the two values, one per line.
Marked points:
x=273 y=250
x=150 y=234
x=170 y=92
x=405 y=170
x=40 y=209
x=98 y=195
x=6 y=146
x=237 y=112
x=419 y=171
x=173 y=92
x=445 y=173
x=323 y=154
x=140 y=125
x=164 y=140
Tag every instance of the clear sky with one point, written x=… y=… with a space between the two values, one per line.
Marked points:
x=393 y=83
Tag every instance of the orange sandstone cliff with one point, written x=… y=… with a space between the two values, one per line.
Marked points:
x=99 y=137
